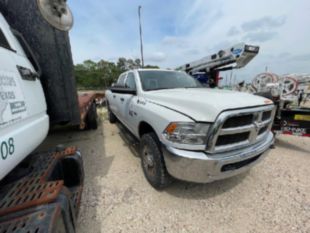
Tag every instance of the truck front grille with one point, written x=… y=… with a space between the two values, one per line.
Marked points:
x=240 y=128
x=238 y=121
x=263 y=130
x=266 y=115
x=232 y=138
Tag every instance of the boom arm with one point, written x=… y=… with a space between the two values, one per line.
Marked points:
x=235 y=57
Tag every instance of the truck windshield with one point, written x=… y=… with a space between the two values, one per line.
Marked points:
x=156 y=80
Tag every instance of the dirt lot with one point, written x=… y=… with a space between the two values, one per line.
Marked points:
x=272 y=197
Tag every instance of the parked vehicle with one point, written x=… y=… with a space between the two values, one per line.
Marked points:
x=188 y=132
x=39 y=192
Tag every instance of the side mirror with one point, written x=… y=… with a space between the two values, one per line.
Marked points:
x=123 y=90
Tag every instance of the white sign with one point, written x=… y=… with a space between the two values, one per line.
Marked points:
x=12 y=103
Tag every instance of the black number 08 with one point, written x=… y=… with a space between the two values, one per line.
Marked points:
x=7 y=148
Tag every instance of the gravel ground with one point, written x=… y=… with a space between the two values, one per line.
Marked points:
x=273 y=197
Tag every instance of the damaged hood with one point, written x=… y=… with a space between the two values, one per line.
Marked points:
x=203 y=104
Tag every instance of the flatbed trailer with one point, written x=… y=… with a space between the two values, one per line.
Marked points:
x=87 y=106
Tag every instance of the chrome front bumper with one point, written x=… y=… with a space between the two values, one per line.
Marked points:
x=200 y=167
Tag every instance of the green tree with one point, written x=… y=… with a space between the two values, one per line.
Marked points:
x=100 y=75
x=151 y=67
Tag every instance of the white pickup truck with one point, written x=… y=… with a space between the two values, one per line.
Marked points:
x=187 y=131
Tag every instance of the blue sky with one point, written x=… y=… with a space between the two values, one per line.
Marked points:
x=178 y=31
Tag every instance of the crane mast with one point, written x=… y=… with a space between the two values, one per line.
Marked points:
x=207 y=69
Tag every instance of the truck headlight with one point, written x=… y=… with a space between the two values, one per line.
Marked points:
x=187 y=133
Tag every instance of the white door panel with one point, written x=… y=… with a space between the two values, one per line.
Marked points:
x=127 y=115
x=18 y=141
x=33 y=91
x=112 y=103
x=13 y=106
x=23 y=120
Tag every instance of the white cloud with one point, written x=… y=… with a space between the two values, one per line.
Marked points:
x=233 y=31
x=175 y=41
x=260 y=36
x=156 y=57
x=266 y=22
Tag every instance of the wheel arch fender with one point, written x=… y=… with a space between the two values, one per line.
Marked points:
x=145 y=127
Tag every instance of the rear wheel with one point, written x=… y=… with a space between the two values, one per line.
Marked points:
x=91 y=118
x=153 y=163
x=112 y=117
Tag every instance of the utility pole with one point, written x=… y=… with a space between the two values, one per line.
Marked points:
x=141 y=41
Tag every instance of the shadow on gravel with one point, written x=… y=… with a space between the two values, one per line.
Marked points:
x=96 y=166
x=130 y=141
x=290 y=146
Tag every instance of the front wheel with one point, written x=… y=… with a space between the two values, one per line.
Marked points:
x=152 y=162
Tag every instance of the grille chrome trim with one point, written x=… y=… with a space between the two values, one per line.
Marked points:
x=253 y=128
x=235 y=130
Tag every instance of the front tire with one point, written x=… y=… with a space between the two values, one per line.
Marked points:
x=153 y=163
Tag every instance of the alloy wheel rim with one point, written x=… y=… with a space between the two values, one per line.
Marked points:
x=148 y=161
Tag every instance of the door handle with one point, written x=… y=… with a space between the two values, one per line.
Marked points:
x=114 y=96
x=27 y=74
x=122 y=99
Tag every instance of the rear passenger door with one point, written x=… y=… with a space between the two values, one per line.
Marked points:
x=126 y=102
x=114 y=101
